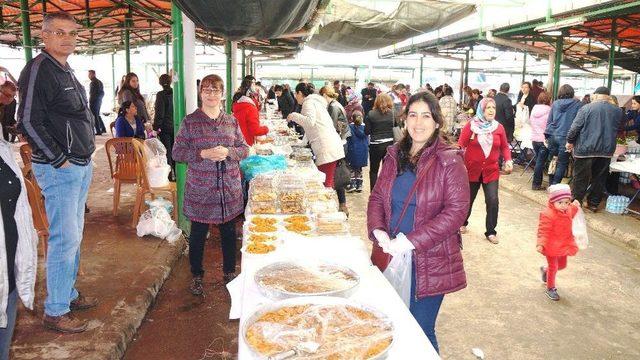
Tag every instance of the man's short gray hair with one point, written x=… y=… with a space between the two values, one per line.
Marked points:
x=49 y=18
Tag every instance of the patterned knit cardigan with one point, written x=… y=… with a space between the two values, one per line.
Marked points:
x=213 y=193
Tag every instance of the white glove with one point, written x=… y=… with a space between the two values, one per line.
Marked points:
x=399 y=245
x=383 y=239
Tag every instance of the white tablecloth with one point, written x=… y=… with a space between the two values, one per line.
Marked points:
x=410 y=341
x=630 y=166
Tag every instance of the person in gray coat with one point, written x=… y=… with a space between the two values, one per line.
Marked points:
x=592 y=139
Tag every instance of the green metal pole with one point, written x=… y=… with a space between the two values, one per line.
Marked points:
x=421 y=69
x=229 y=85
x=466 y=68
x=127 y=48
x=113 y=76
x=166 y=52
x=26 y=29
x=556 y=67
x=524 y=66
x=179 y=103
x=612 y=54
x=244 y=63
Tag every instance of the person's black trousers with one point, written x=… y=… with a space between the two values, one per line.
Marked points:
x=490 y=191
x=376 y=154
x=196 y=246
x=166 y=138
x=95 y=110
x=589 y=172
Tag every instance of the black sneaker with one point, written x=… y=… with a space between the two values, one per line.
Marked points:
x=196 y=285
x=543 y=274
x=552 y=294
x=593 y=208
x=350 y=189
x=537 y=187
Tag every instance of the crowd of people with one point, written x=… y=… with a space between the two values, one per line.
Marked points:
x=427 y=155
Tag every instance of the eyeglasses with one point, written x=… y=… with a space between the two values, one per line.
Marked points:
x=214 y=91
x=63 y=34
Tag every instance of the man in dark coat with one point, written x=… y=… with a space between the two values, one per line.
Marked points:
x=96 y=93
x=368 y=97
x=504 y=110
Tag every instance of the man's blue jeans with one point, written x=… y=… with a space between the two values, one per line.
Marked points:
x=541 y=158
x=65 y=193
x=556 y=146
x=425 y=311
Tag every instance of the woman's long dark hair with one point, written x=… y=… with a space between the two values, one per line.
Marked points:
x=126 y=86
x=405 y=160
x=123 y=108
x=245 y=85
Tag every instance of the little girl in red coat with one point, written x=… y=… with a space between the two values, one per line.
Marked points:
x=555 y=237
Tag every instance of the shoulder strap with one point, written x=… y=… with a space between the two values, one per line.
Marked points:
x=407 y=200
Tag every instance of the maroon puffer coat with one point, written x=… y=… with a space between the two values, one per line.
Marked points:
x=442 y=204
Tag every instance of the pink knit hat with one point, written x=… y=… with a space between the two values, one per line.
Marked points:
x=559 y=192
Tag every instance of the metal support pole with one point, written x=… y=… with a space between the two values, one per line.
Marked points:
x=556 y=66
x=421 y=69
x=229 y=82
x=463 y=65
x=244 y=62
x=26 y=30
x=466 y=68
x=524 y=67
x=127 y=47
x=612 y=54
x=113 y=78
x=166 y=54
x=178 y=102
x=234 y=67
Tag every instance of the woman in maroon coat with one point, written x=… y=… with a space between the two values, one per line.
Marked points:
x=484 y=141
x=212 y=145
x=422 y=192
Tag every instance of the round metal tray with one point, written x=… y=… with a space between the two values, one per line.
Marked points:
x=314 y=300
x=280 y=294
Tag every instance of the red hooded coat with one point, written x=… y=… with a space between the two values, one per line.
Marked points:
x=246 y=112
x=554 y=231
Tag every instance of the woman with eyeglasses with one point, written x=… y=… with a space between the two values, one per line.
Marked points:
x=130 y=91
x=211 y=143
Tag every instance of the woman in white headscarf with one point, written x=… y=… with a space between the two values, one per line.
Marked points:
x=485 y=141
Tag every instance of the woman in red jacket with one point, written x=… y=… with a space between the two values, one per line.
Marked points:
x=555 y=235
x=484 y=141
x=422 y=192
x=246 y=112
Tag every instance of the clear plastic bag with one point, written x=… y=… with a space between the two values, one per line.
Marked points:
x=157 y=222
x=579 y=230
x=398 y=273
x=157 y=168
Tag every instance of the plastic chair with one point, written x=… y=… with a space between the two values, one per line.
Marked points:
x=145 y=189
x=38 y=213
x=122 y=166
x=112 y=128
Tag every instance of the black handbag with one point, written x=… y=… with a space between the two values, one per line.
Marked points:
x=342 y=175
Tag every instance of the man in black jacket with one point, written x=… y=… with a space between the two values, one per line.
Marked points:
x=163 y=119
x=504 y=110
x=368 y=98
x=96 y=93
x=54 y=116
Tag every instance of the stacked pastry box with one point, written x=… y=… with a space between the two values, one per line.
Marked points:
x=283 y=205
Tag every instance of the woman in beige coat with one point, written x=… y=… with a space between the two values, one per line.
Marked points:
x=318 y=130
x=18 y=244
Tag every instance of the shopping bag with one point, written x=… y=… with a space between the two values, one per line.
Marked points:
x=342 y=176
x=398 y=273
x=579 y=230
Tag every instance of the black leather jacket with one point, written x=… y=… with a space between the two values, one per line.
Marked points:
x=53 y=113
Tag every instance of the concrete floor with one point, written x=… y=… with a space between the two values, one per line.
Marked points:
x=503 y=311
